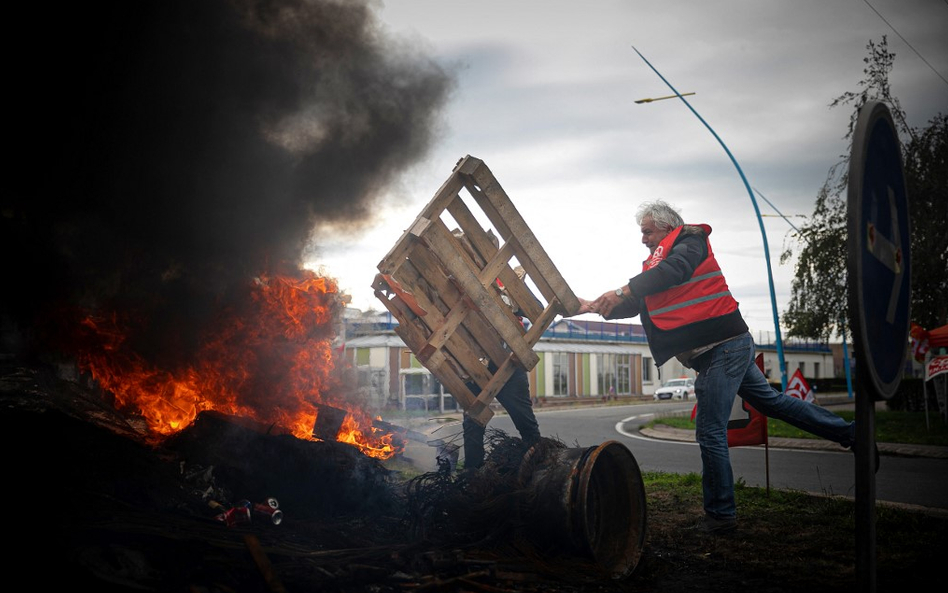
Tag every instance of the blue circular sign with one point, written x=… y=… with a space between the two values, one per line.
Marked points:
x=879 y=248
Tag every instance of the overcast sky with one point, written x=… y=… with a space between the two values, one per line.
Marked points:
x=546 y=95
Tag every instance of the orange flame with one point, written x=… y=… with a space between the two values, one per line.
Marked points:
x=375 y=444
x=271 y=360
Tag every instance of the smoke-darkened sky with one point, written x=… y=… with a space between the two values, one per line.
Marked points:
x=165 y=150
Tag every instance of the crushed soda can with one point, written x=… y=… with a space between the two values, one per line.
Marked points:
x=264 y=509
x=232 y=516
x=235 y=515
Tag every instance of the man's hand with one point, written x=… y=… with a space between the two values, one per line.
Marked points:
x=585 y=307
x=606 y=303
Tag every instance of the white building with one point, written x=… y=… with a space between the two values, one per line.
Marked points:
x=578 y=359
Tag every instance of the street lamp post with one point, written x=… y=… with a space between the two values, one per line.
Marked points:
x=640 y=101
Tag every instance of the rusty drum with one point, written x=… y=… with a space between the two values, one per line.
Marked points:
x=590 y=500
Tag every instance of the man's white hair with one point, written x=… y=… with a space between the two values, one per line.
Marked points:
x=662 y=214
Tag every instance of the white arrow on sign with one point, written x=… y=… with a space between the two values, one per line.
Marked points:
x=889 y=253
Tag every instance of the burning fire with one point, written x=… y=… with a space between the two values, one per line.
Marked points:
x=377 y=443
x=269 y=356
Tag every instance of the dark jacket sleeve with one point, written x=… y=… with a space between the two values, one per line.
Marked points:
x=624 y=310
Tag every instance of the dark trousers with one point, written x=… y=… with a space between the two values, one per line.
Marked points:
x=514 y=396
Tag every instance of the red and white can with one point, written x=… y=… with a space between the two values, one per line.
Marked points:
x=263 y=509
x=235 y=515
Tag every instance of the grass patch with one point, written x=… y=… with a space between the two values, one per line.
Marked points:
x=891 y=427
x=787 y=541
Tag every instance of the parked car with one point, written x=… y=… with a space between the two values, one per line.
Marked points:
x=682 y=388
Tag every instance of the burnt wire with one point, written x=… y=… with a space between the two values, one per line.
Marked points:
x=476 y=506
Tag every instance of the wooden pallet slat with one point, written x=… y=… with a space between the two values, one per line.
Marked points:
x=476 y=335
x=465 y=359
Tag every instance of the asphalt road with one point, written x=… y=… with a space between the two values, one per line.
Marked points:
x=915 y=481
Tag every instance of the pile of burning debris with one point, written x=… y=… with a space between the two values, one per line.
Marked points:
x=96 y=503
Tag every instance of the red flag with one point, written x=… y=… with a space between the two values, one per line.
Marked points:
x=919 y=341
x=799 y=388
x=746 y=426
x=936 y=366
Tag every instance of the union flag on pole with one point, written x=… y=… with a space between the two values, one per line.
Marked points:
x=746 y=426
x=919 y=341
x=799 y=388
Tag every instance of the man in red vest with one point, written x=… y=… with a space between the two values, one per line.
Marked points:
x=688 y=313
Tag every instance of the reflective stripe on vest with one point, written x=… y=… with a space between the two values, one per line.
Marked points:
x=705 y=295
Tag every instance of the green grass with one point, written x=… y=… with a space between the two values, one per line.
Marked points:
x=891 y=427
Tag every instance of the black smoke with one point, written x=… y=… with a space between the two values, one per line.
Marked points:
x=166 y=151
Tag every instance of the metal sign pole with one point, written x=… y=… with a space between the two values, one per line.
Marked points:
x=879 y=269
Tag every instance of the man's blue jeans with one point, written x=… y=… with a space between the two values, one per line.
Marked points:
x=727 y=370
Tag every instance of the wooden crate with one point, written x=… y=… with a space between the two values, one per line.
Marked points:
x=446 y=297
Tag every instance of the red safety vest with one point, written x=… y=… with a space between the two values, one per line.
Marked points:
x=703 y=296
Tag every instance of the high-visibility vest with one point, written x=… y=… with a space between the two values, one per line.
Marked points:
x=703 y=296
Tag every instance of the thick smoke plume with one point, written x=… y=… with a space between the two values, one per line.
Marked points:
x=166 y=151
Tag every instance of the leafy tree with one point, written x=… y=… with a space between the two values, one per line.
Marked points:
x=818 y=306
x=926 y=178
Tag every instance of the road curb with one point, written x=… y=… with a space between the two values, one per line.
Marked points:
x=669 y=433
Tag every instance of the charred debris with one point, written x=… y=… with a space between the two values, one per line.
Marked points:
x=94 y=504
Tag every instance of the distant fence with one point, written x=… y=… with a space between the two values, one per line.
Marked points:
x=609 y=332
x=768 y=340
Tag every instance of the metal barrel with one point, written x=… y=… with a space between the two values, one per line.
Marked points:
x=592 y=500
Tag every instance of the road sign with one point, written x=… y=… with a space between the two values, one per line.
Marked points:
x=879 y=263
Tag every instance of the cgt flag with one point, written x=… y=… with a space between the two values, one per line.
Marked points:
x=799 y=388
x=938 y=365
x=920 y=344
x=746 y=426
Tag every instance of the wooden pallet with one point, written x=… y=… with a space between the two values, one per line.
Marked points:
x=446 y=297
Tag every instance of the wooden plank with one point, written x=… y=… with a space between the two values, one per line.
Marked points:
x=458 y=346
x=482 y=244
x=439 y=239
x=542 y=323
x=395 y=305
x=516 y=289
x=480 y=333
x=490 y=391
x=529 y=303
x=398 y=253
x=523 y=256
x=442 y=368
x=402 y=293
x=497 y=262
x=440 y=334
x=502 y=213
x=447 y=193
x=481 y=253
x=262 y=561
x=448 y=373
x=415 y=340
x=412 y=330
